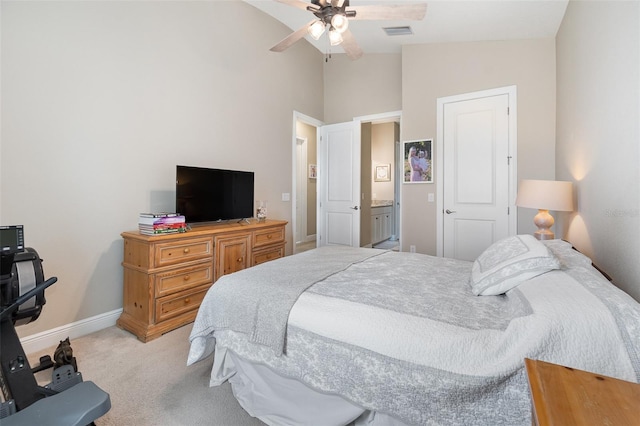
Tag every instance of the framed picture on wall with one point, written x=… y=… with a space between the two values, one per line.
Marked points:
x=382 y=173
x=418 y=163
x=313 y=171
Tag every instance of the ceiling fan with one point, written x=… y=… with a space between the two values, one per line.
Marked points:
x=334 y=15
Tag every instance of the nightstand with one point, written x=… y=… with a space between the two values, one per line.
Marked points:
x=566 y=396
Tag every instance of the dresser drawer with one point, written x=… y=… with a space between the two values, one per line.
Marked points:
x=170 y=253
x=179 y=303
x=268 y=236
x=166 y=277
x=262 y=256
x=183 y=279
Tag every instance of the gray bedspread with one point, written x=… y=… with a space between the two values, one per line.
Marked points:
x=257 y=301
x=402 y=334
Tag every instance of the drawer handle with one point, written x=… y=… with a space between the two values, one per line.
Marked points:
x=239 y=260
x=187 y=277
x=269 y=236
x=186 y=250
x=187 y=300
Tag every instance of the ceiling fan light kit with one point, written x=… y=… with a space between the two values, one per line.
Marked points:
x=316 y=29
x=340 y=22
x=334 y=14
x=335 y=38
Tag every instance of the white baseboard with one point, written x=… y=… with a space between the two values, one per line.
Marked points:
x=48 y=338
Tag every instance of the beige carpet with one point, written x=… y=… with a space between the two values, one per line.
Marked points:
x=150 y=383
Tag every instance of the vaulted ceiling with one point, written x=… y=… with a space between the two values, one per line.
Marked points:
x=445 y=21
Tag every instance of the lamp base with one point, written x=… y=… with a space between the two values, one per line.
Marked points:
x=543 y=221
x=544 y=234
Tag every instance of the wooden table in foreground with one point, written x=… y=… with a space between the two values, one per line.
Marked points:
x=566 y=396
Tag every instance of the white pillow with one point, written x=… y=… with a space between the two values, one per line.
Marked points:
x=508 y=262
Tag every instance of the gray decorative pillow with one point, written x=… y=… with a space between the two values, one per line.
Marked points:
x=508 y=262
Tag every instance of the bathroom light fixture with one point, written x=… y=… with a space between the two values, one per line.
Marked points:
x=545 y=195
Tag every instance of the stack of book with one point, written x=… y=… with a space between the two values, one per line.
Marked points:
x=161 y=223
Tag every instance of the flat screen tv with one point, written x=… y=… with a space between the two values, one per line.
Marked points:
x=211 y=195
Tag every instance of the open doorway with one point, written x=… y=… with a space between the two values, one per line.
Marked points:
x=381 y=173
x=304 y=197
x=381 y=164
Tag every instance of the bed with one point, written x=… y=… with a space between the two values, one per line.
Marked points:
x=341 y=335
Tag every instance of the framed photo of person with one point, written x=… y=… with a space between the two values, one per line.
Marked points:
x=418 y=161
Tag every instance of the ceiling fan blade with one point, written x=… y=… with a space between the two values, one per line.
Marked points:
x=298 y=3
x=350 y=45
x=399 y=12
x=286 y=42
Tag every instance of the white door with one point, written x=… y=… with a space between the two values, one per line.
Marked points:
x=339 y=185
x=476 y=175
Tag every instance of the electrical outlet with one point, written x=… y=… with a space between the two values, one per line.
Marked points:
x=431 y=197
x=412 y=249
x=286 y=196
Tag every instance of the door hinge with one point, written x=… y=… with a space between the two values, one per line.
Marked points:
x=508 y=110
x=508 y=211
x=508 y=160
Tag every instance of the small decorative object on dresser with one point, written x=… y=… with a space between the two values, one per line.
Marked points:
x=167 y=276
x=261 y=211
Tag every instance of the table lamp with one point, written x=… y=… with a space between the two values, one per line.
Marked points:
x=545 y=195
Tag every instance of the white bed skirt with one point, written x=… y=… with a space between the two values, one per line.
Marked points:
x=279 y=401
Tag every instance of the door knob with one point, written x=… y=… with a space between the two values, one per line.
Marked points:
x=354 y=208
x=447 y=211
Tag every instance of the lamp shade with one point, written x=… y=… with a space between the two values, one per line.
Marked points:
x=545 y=194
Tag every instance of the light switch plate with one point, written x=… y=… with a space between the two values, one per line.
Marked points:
x=286 y=196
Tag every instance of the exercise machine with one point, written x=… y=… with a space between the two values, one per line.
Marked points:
x=67 y=400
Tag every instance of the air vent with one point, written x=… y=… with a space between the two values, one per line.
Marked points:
x=397 y=31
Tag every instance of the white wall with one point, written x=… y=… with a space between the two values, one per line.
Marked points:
x=309 y=133
x=382 y=147
x=368 y=86
x=101 y=100
x=598 y=139
x=439 y=70
x=413 y=81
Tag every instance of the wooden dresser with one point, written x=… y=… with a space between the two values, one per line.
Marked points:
x=167 y=276
x=566 y=396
